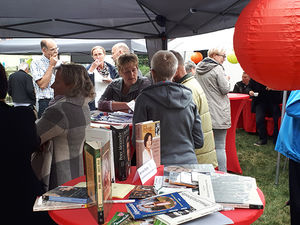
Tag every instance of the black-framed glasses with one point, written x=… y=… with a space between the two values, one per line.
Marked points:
x=224 y=56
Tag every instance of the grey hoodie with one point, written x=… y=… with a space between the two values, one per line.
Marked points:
x=180 y=125
x=211 y=76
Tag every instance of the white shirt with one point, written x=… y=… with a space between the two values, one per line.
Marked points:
x=38 y=68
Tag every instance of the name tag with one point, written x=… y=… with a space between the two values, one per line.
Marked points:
x=147 y=170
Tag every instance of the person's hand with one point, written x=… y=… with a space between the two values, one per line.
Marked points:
x=53 y=60
x=107 y=80
x=94 y=65
x=251 y=93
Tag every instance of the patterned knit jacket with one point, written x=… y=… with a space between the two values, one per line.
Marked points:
x=62 y=127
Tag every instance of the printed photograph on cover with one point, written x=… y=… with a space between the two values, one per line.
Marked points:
x=147 y=142
x=142 y=191
x=156 y=204
x=147 y=153
x=181 y=212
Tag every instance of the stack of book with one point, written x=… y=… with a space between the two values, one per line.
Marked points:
x=62 y=197
x=113 y=117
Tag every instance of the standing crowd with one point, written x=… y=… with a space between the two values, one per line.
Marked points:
x=189 y=100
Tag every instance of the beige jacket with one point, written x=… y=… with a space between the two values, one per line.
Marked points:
x=206 y=154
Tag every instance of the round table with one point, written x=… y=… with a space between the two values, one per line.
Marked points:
x=84 y=217
x=237 y=102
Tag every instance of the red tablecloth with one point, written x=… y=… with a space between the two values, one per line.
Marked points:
x=237 y=102
x=83 y=216
x=247 y=120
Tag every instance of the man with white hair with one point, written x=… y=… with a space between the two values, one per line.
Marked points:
x=20 y=87
x=190 y=67
x=119 y=49
x=172 y=104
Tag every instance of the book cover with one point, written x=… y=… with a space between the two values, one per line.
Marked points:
x=121 y=146
x=236 y=191
x=123 y=218
x=155 y=205
x=41 y=204
x=147 y=142
x=199 y=207
x=67 y=194
x=98 y=178
x=142 y=191
x=102 y=134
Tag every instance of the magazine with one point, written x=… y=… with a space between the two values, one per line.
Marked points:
x=198 y=207
x=155 y=205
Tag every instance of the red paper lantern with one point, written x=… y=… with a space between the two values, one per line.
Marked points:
x=267 y=42
x=196 y=57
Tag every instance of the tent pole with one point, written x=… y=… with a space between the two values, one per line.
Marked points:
x=278 y=154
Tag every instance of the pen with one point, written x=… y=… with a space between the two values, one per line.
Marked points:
x=121 y=201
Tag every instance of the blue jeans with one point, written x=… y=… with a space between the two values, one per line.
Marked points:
x=43 y=104
x=220 y=140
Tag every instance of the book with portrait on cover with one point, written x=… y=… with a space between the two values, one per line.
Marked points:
x=147 y=142
x=156 y=205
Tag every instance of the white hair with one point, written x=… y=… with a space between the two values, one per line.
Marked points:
x=122 y=46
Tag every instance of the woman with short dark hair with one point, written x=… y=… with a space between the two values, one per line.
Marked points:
x=124 y=89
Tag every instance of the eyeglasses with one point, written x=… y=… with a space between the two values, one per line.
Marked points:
x=53 y=49
x=224 y=56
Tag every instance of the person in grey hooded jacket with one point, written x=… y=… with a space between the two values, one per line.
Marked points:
x=211 y=76
x=172 y=104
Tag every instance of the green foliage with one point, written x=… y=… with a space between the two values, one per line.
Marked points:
x=144 y=64
x=260 y=162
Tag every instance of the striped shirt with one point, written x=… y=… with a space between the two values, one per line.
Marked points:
x=38 y=68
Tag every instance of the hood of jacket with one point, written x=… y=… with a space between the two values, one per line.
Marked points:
x=170 y=95
x=206 y=65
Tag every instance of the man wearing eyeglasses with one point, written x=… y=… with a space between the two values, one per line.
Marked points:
x=42 y=71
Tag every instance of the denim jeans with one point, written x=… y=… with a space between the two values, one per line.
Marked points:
x=220 y=140
x=43 y=104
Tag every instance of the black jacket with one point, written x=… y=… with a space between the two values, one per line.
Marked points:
x=20 y=88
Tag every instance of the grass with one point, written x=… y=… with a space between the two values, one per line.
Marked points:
x=260 y=162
